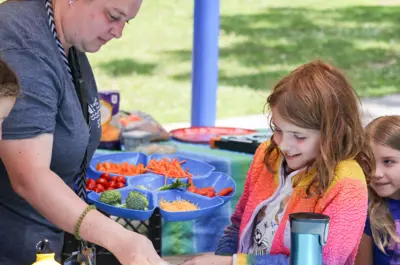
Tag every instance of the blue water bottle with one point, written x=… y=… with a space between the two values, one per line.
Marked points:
x=309 y=232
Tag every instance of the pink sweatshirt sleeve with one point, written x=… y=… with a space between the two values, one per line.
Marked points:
x=346 y=204
x=228 y=244
x=239 y=209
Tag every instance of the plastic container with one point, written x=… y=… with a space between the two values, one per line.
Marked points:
x=195 y=167
x=133 y=139
x=131 y=158
x=218 y=181
x=109 y=108
x=206 y=205
x=94 y=197
x=150 y=184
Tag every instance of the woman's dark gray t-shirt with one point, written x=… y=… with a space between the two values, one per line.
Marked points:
x=48 y=104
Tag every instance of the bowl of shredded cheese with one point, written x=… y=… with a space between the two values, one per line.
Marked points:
x=177 y=205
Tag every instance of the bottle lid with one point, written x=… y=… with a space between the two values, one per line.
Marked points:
x=43 y=247
x=306 y=216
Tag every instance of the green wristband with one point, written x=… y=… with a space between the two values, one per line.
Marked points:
x=80 y=220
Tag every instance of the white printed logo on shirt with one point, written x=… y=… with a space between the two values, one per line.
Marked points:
x=94 y=112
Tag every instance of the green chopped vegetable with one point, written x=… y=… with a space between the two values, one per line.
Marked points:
x=111 y=197
x=175 y=185
x=136 y=201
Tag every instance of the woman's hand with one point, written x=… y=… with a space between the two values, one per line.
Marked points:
x=209 y=259
x=135 y=249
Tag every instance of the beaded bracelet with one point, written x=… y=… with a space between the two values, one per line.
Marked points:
x=80 y=219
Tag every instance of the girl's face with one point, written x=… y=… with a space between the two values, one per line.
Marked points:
x=300 y=146
x=6 y=105
x=386 y=182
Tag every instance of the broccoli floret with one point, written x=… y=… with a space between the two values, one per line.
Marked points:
x=137 y=194
x=136 y=201
x=122 y=206
x=111 y=197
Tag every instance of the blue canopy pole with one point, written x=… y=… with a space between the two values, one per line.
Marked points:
x=205 y=62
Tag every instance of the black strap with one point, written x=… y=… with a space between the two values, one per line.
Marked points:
x=79 y=84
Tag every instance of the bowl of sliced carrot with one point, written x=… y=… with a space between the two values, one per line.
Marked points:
x=217 y=184
x=178 y=167
x=125 y=164
x=132 y=164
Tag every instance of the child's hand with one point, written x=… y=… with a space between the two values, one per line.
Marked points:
x=209 y=259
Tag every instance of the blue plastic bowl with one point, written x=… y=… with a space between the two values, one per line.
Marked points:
x=93 y=198
x=219 y=181
x=203 y=176
x=206 y=205
x=196 y=168
x=151 y=182
x=131 y=158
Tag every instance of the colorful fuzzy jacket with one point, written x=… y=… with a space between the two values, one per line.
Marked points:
x=345 y=202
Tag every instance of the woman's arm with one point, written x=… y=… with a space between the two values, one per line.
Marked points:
x=28 y=165
x=365 y=251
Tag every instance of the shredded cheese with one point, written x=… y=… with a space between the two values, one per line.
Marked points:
x=178 y=206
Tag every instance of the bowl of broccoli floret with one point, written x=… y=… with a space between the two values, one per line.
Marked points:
x=127 y=203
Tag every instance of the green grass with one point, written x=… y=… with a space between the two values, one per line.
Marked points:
x=260 y=41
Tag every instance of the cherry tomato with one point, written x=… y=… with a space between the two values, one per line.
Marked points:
x=90 y=181
x=121 y=179
x=113 y=178
x=110 y=188
x=119 y=185
x=102 y=182
x=96 y=190
x=99 y=187
x=91 y=185
x=105 y=176
x=112 y=184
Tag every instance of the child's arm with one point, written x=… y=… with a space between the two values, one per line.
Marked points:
x=365 y=254
x=347 y=204
x=245 y=259
x=229 y=242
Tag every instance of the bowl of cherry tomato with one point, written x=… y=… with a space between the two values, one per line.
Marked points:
x=105 y=181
